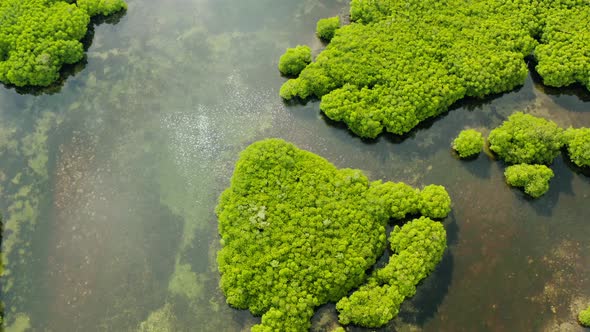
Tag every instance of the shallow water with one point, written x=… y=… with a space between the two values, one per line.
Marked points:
x=122 y=165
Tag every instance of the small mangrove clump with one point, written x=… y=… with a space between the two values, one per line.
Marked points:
x=533 y=178
x=418 y=247
x=296 y=232
x=469 y=143
x=584 y=317
x=326 y=28
x=578 y=145
x=526 y=139
x=37 y=37
x=294 y=60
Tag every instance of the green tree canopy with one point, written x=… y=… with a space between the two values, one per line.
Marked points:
x=533 y=178
x=578 y=145
x=297 y=232
x=326 y=27
x=526 y=139
x=294 y=60
x=401 y=62
x=37 y=37
x=469 y=143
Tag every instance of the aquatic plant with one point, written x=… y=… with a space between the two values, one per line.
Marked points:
x=584 y=317
x=294 y=60
x=577 y=141
x=401 y=62
x=37 y=37
x=297 y=232
x=418 y=247
x=469 y=143
x=533 y=178
x=526 y=139
x=326 y=27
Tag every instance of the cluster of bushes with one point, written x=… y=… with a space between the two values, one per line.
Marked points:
x=294 y=60
x=418 y=247
x=297 y=232
x=469 y=143
x=524 y=138
x=401 y=62
x=578 y=145
x=529 y=143
x=533 y=178
x=37 y=37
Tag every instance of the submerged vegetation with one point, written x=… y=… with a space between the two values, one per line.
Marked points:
x=37 y=37
x=297 y=233
x=469 y=143
x=401 y=62
x=533 y=178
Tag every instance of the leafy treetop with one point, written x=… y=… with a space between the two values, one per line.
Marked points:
x=578 y=145
x=294 y=60
x=418 y=247
x=326 y=27
x=527 y=139
x=469 y=143
x=37 y=37
x=402 y=62
x=297 y=232
x=533 y=178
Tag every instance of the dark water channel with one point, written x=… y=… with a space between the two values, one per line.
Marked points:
x=108 y=181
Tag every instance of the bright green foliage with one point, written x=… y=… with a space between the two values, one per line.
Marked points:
x=297 y=232
x=578 y=145
x=418 y=246
x=294 y=60
x=435 y=202
x=101 y=7
x=584 y=317
x=414 y=60
x=526 y=139
x=38 y=36
x=403 y=61
x=469 y=143
x=533 y=178
x=564 y=55
x=326 y=27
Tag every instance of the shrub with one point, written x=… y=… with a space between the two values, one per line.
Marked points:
x=294 y=60
x=418 y=247
x=296 y=232
x=584 y=317
x=533 y=178
x=469 y=143
x=578 y=145
x=37 y=37
x=525 y=139
x=326 y=27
